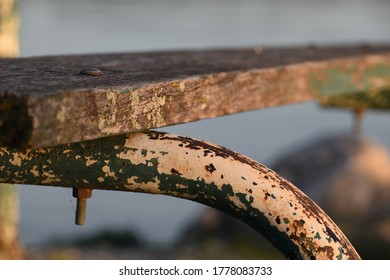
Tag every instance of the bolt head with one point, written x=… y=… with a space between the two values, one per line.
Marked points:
x=91 y=72
x=82 y=193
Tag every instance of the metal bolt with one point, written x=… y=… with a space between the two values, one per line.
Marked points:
x=258 y=50
x=81 y=209
x=91 y=72
x=358 y=119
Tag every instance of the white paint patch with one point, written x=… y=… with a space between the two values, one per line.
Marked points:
x=34 y=171
x=182 y=86
x=61 y=114
x=90 y=161
x=152 y=110
x=148 y=187
x=18 y=158
x=107 y=171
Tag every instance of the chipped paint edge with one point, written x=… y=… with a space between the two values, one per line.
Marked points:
x=161 y=163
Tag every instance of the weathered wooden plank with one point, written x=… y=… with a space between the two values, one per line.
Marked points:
x=161 y=163
x=45 y=101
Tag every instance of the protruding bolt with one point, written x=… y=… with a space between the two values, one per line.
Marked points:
x=81 y=209
x=91 y=72
x=258 y=50
x=358 y=119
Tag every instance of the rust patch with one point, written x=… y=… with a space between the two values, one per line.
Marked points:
x=210 y=168
x=327 y=250
x=332 y=234
x=299 y=236
x=311 y=206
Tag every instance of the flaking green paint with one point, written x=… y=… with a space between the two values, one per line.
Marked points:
x=71 y=170
x=340 y=256
x=370 y=100
x=333 y=82
x=340 y=87
x=70 y=166
x=221 y=199
x=378 y=71
x=125 y=91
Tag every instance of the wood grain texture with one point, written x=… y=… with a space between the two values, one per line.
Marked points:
x=45 y=101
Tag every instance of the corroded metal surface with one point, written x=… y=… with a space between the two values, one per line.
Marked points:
x=45 y=101
x=160 y=163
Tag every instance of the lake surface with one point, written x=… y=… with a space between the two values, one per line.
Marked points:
x=87 y=26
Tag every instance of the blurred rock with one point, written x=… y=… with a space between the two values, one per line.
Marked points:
x=216 y=235
x=348 y=177
x=104 y=244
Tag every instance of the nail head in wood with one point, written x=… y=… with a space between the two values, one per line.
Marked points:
x=91 y=72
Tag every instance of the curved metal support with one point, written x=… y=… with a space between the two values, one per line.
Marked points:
x=160 y=163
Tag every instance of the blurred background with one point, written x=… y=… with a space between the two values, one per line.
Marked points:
x=148 y=226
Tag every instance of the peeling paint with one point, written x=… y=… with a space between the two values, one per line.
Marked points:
x=115 y=104
x=17 y=159
x=107 y=171
x=61 y=115
x=107 y=121
x=90 y=161
x=152 y=110
x=182 y=86
x=160 y=163
x=134 y=102
x=133 y=180
x=111 y=96
x=34 y=171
